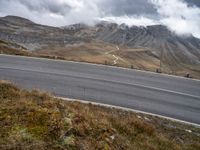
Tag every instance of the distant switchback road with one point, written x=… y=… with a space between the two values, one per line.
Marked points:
x=169 y=96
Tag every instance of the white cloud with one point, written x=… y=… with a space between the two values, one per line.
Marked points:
x=131 y=20
x=178 y=16
x=49 y=12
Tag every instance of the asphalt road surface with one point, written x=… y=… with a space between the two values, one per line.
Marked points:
x=169 y=96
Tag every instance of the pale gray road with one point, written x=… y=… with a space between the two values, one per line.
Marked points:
x=174 y=97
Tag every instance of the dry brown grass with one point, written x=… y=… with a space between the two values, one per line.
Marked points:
x=6 y=49
x=85 y=52
x=35 y=120
x=102 y=53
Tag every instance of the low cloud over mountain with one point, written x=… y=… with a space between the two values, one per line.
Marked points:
x=181 y=16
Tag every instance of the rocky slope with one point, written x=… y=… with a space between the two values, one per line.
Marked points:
x=33 y=36
x=158 y=38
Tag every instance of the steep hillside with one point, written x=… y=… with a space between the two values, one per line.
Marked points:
x=181 y=49
x=34 y=36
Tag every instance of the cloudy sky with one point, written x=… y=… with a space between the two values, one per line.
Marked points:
x=181 y=16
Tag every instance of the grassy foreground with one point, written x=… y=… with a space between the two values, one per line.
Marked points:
x=36 y=120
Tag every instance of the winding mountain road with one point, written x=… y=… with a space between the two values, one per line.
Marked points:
x=169 y=96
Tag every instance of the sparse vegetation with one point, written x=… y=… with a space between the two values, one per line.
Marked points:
x=37 y=120
x=7 y=48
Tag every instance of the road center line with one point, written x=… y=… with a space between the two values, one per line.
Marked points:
x=90 y=78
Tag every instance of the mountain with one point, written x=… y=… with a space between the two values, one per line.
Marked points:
x=146 y=48
x=33 y=36
x=158 y=38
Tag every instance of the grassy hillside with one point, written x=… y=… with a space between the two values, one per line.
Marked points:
x=36 y=120
x=12 y=49
x=100 y=52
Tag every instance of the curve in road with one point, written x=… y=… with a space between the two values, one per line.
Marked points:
x=169 y=96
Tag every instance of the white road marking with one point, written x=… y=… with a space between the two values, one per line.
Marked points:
x=129 y=109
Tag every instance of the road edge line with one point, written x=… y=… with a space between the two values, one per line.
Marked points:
x=128 y=109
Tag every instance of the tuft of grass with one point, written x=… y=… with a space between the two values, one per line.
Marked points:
x=37 y=120
x=8 y=91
